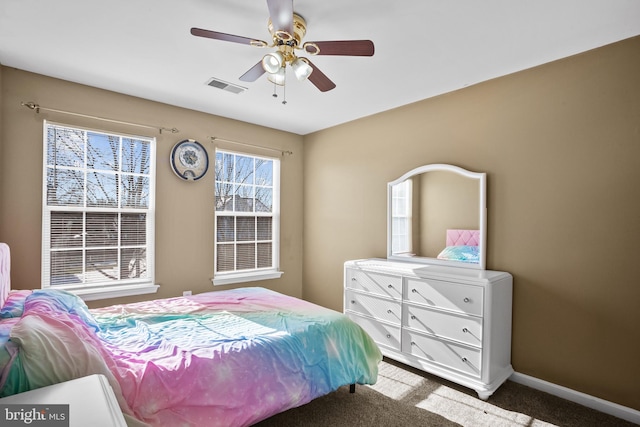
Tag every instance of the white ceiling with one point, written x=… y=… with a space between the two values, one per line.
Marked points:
x=423 y=48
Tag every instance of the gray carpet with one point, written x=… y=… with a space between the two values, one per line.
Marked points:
x=405 y=397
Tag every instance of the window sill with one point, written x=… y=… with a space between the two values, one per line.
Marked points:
x=231 y=278
x=104 y=292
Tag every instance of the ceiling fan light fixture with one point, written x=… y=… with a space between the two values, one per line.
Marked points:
x=272 y=62
x=301 y=69
x=277 y=77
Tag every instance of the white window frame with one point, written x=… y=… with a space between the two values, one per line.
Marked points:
x=240 y=276
x=110 y=289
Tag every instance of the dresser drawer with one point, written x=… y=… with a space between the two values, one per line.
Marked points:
x=376 y=283
x=382 y=333
x=461 y=328
x=446 y=353
x=370 y=305
x=450 y=296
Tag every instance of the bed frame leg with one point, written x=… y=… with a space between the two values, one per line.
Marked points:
x=352 y=388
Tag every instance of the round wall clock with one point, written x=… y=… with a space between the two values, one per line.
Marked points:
x=189 y=160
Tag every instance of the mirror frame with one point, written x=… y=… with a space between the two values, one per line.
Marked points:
x=482 y=212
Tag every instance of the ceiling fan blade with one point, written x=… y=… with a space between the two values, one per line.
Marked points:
x=319 y=79
x=341 y=47
x=281 y=12
x=253 y=73
x=226 y=37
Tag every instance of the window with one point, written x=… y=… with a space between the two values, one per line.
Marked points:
x=247 y=218
x=98 y=212
x=401 y=220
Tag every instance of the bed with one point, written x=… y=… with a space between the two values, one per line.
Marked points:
x=461 y=245
x=222 y=358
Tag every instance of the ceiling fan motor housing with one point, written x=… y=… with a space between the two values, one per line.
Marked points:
x=285 y=42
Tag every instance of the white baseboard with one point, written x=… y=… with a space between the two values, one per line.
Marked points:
x=583 y=399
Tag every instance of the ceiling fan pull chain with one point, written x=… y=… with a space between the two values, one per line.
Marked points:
x=284 y=90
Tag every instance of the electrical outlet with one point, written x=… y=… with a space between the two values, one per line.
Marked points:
x=186 y=293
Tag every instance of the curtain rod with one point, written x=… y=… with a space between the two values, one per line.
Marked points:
x=37 y=108
x=282 y=152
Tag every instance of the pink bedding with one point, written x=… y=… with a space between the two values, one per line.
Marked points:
x=228 y=358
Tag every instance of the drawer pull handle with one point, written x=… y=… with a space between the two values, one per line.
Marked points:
x=354 y=279
x=413 y=343
x=390 y=311
x=353 y=301
x=414 y=291
x=413 y=317
x=388 y=335
x=467 y=300
x=465 y=330
x=390 y=286
x=464 y=359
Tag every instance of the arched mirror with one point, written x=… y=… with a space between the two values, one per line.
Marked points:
x=436 y=214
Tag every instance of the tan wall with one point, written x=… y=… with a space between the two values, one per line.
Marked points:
x=184 y=211
x=561 y=148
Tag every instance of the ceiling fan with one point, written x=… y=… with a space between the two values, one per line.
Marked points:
x=288 y=29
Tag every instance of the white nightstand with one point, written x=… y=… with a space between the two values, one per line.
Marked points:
x=91 y=401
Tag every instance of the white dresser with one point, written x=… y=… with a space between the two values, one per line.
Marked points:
x=448 y=321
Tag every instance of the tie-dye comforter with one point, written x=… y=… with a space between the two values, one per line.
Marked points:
x=227 y=358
